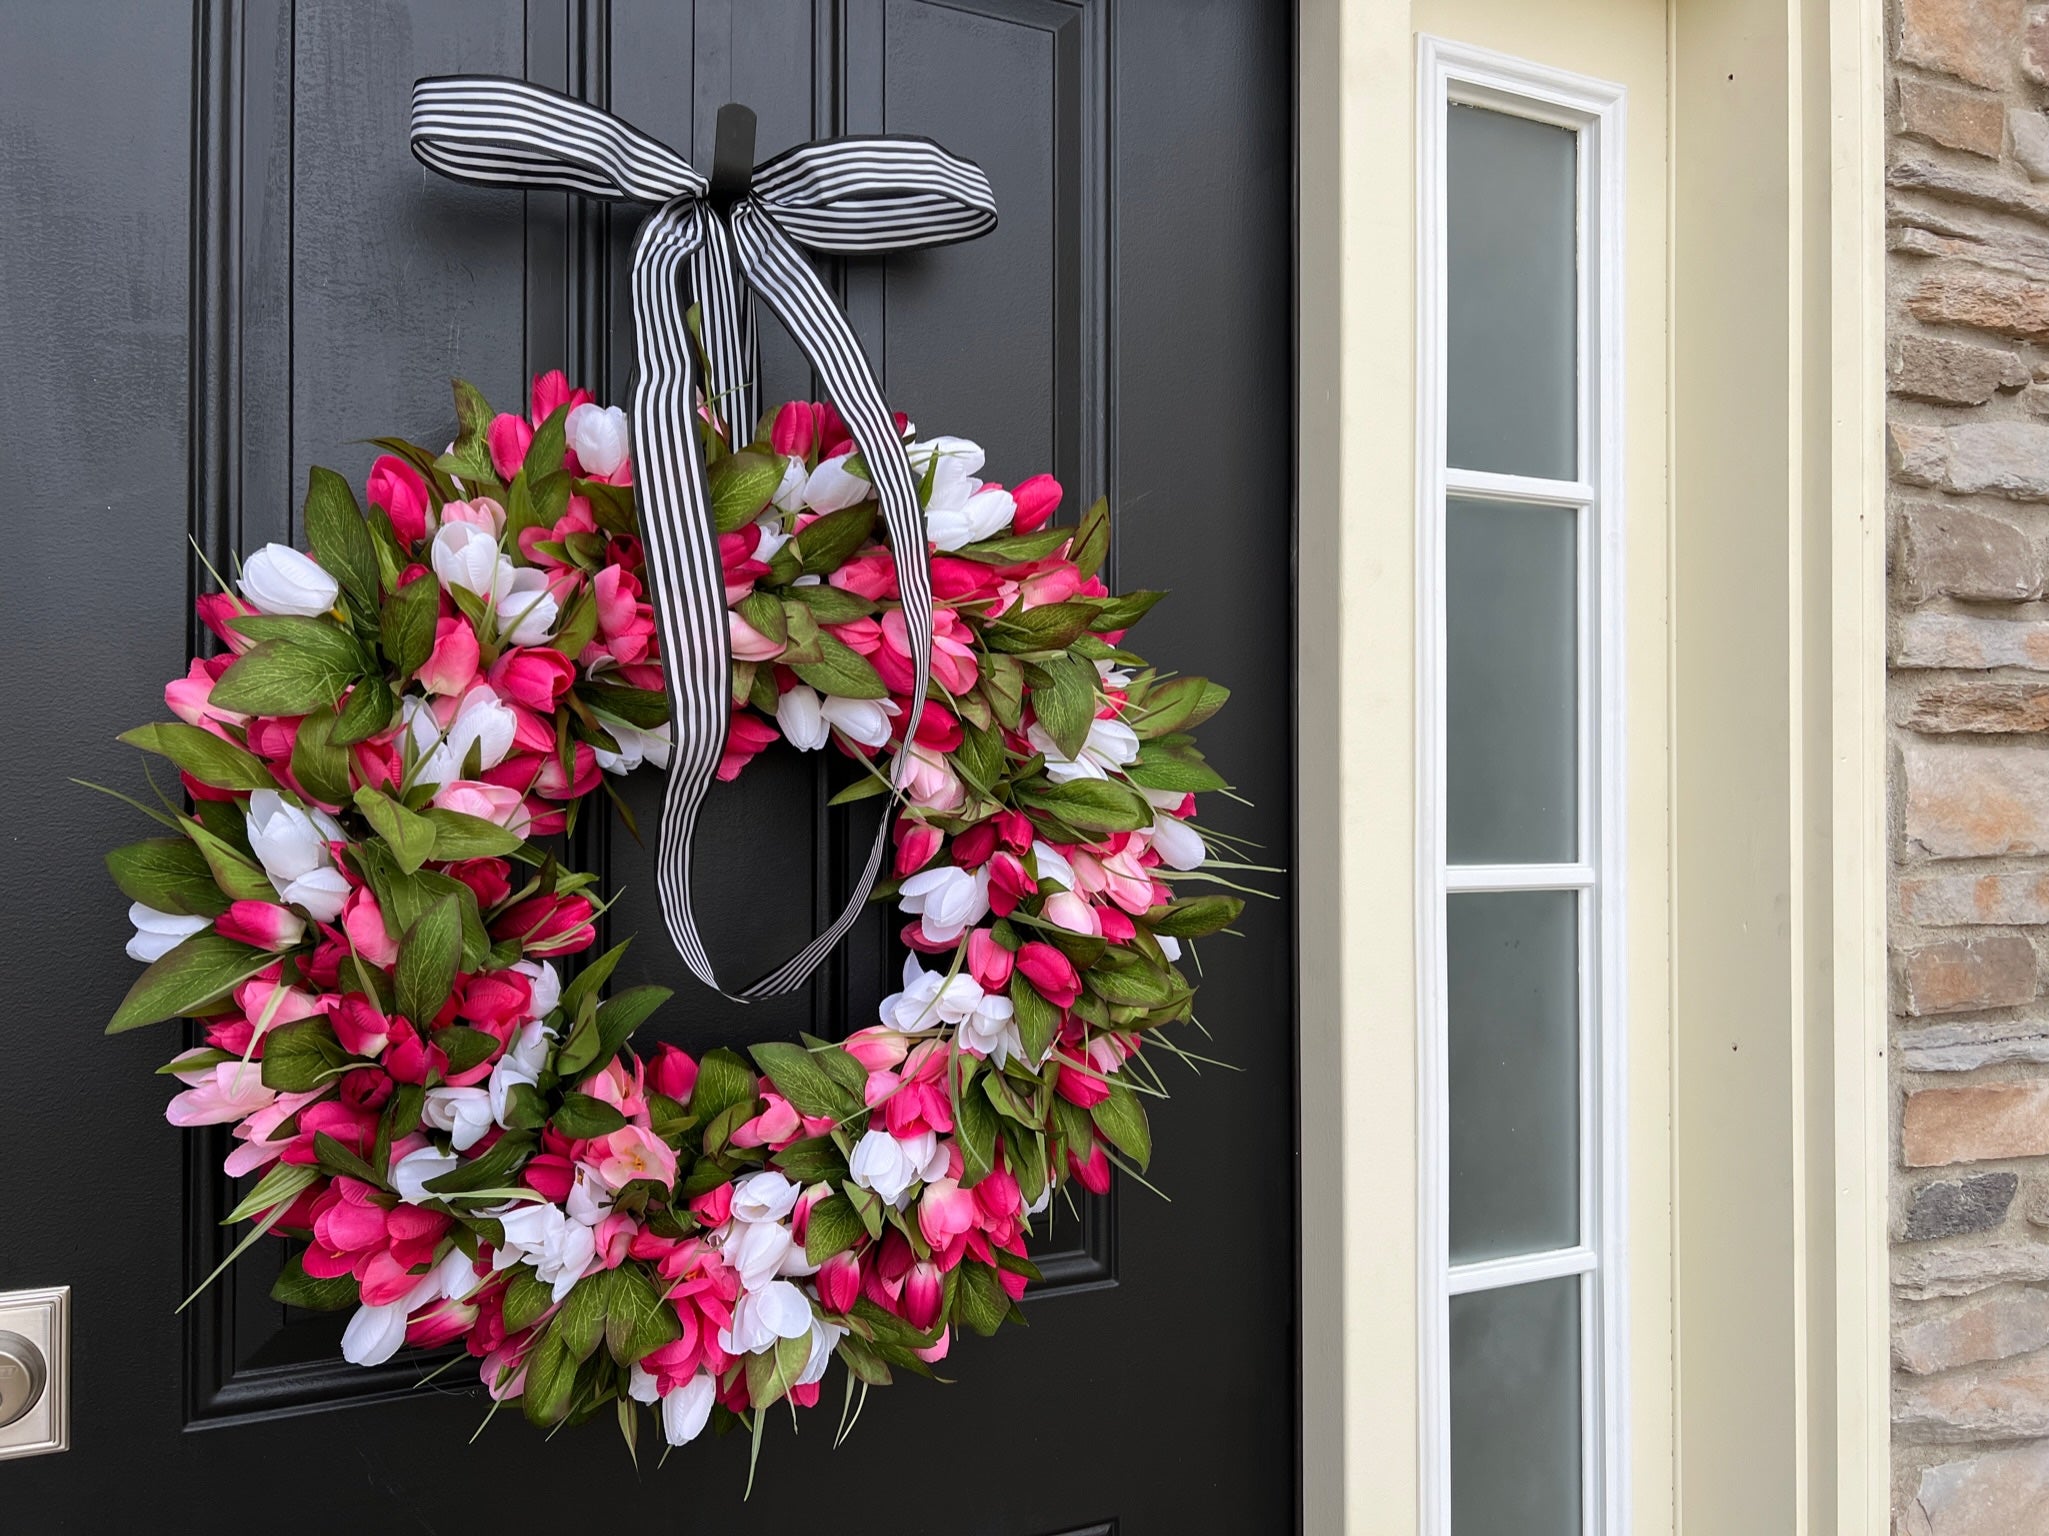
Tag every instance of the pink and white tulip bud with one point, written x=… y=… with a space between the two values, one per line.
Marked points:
x=452 y=665
x=839 y=1283
x=924 y=1295
x=264 y=924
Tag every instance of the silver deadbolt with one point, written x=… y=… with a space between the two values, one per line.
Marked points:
x=23 y=1375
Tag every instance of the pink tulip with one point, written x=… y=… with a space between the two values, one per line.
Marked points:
x=509 y=437
x=916 y=845
x=870 y=574
x=363 y=921
x=452 y=665
x=988 y=961
x=795 y=431
x=398 y=488
x=551 y=392
x=495 y=803
x=1092 y=1172
x=1050 y=972
x=1037 y=500
x=1064 y=909
x=264 y=924
x=875 y=1048
x=534 y=676
x=230 y=1091
x=478 y=512
x=190 y=696
x=746 y=735
x=440 y=1322
x=1008 y=883
x=839 y=1283
x=1079 y=1088
x=932 y=1354
x=945 y=1212
x=672 y=1072
x=749 y=643
x=216 y=609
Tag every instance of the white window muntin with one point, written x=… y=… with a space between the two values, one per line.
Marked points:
x=1455 y=75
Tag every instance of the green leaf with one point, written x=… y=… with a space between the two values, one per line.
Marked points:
x=340 y=538
x=741 y=485
x=297 y=1057
x=1122 y=1121
x=471 y=454
x=1038 y=1021
x=280 y=1185
x=1126 y=978
x=427 y=960
x=723 y=1080
x=774 y=1371
x=1066 y=703
x=1003 y=684
x=1050 y=628
x=464 y=1047
x=202 y=754
x=460 y=836
x=367 y=710
x=579 y=626
x=588 y=982
x=830 y=605
x=295 y=1288
x=979 y=1300
x=637 y=1320
x=202 y=970
x=550 y=1377
x=1183 y=774
x=636 y=706
x=841 y=671
x=827 y=542
x=411 y=836
x=624 y=1012
x=1016 y=548
x=291 y=677
x=169 y=874
x=526 y=1298
x=814 y=1160
x=406 y=625
x=802 y=1080
x=582 y=1117
x=235 y=873
x=525 y=1109
x=491 y=1170
x=1090 y=805
x=833 y=1227
x=319 y=764
x=1091 y=539
x=975 y=1127
x=544 y=454
x=580 y=1325
x=764 y=613
x=338 y=1159
x=1195 y=917
x=1124 y=610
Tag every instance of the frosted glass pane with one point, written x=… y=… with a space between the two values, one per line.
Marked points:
x=1511 y=246
x=1515 y=1452
x=1511 y=683
x=1512 y=959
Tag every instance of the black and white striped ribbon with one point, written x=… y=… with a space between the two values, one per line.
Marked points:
x=850 y=195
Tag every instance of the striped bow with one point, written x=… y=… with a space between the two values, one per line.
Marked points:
x=850 y=195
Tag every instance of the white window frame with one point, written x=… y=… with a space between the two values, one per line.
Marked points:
x=1452 y=73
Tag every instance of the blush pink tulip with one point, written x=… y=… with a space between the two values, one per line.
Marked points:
x=363 y=921
x=988 y=961
x=636 y=1153
x=875 y=1048
x=479 y=512
x=945 y=1212
x=495 y=803
x=190 y=696
x=749 y=643
x=870 y=574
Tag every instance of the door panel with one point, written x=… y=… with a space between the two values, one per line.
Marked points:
x=1127 y=326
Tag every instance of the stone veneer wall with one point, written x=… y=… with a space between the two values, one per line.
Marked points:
x=1968 y=378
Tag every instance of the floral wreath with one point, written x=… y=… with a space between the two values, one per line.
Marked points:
x=359 y=912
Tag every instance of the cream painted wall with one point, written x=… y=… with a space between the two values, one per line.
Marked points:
x=1757 y=594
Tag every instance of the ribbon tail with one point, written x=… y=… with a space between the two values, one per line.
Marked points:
x=779 y=274
x=732 y=352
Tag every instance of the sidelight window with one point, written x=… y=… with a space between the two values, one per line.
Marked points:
x=1520 y=841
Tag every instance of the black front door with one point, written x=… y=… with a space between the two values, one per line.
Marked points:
x=221 y=266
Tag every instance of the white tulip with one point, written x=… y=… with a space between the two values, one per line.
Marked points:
x=803 y=723
x=409 y=1175
x=789 y=492
x=947 y=901
x=466 y=556
x=538 y=1233
x=685 y=1410
x=765 y=1196
x=890 y=1165
x=521 y=1063
x=1052 y=864
x=777 y=1311
x=1111 y=744
x=982 y=515
x=635 y=746
x=465 y=1113
x=590 y=1199
x=374 y=1334
x=599 y=437
x=991 y=1030
x=278 y=579
x=482 y=720
x=825 y=1338
x=546 y=986
x=862 y=720
x=158 y=933
x=756 y=1251
x=1178 y=844
x=929 y=998
x=953 y=480
x=291 y=843
x=833 y=486
x=527 y=610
